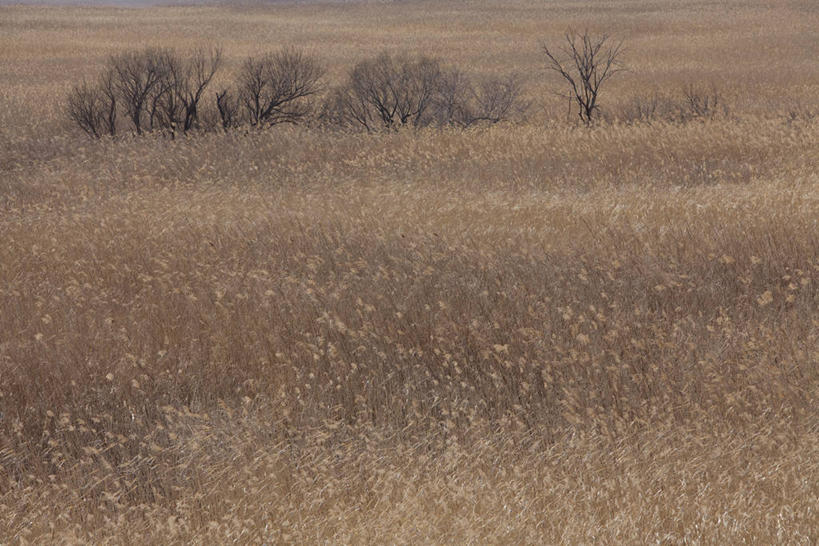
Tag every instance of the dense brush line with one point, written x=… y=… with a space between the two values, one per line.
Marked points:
x=159 y=90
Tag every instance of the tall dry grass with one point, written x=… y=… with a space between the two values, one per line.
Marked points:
x=524 y=334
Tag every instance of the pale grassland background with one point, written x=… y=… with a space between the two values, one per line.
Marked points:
x=533 y=333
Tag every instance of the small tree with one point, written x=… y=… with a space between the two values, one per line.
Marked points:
x=108 y=93
x=138 y=79
x=585 y=63
x=164 y=107
x=497 y=99
x=200 y=70
x=94 y=107
x=461 y=102
x=452 y=101
x=180 y=91
x=388 y=92
x=156 y=89
x=228 y=107
x=277 y=88
x=84 y=107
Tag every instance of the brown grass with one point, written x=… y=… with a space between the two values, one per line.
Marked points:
x=523 y=334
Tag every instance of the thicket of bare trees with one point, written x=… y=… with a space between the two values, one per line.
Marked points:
x=389 y=92
x=154 y=88
x=159 y=90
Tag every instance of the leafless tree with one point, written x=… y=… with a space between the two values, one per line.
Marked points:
x=85 y=108
x=585 y=63
x=164 y=105
x=154 y=87
x=278 y=88
x=344 y=108
x=462 y=102
x=650 y=107
x=452 y=101
x=228 y=107
x=108 y=90
x=175 y=100
x=390 y=91
x=199 y=73
x=497 y=99
x=641 y=109
x=138 y=79
x=94 y=107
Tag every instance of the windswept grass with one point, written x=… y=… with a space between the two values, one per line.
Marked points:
x=523 y=334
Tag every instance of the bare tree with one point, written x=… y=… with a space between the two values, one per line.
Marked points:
x=387 y=92
x=462 y=102
x=497 y=99
x=398 y=90
x=452 y=101
x=641 y=109
x=156 y=88
x=277 y=88
x=346 y=108
x=228 y=107
x=585 y=63
x=164 y=105
x=137 y=77
x=200 y=70
x=108 y=90
x=175 y=100
x=94 y=107
x=84 y=107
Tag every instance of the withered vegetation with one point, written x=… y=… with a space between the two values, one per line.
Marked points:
x=530 y=332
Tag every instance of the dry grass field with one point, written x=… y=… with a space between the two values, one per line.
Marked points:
x=532 y=333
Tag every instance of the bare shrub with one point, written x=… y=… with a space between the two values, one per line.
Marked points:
x=156 y=88
x=455 y=89
x=175 y=104
x=700 y=101
x=84 y=107
x=140 y=81
x=649 y=108
x=227 y=104
x=199 y=72
x=165 y=107
x=343 y=107
x=390 y=92
x=585 y=63
x=387 y=92
x=694 y=102
x=108 y=92
x=278 y=88
x=797 y=111
x=497 y=99
x=461 y=102
x=94 y=107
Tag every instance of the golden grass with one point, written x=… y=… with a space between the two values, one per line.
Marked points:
x=523 y=334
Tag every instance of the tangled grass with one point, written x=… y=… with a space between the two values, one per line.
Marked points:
x=522 y=334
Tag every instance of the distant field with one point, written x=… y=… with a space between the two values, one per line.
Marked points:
x=534 y=332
